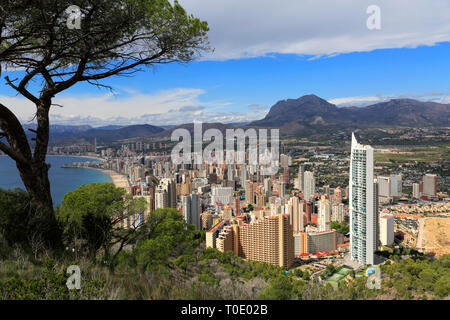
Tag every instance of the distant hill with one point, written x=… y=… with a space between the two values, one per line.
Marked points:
x=305 y=116
x=190 y=127
x=313 y=115
x=72 y=134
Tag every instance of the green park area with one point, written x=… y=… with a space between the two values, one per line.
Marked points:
x=422 y=154
x=338 y=276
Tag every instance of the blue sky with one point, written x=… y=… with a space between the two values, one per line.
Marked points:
x=332 y=55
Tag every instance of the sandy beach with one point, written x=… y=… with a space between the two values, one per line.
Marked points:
x=82 y=157
x=119 y=180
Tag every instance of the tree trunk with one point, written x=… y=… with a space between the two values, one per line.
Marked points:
x=35 y=179
x=33 y=170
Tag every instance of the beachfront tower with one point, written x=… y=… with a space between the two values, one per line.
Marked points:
x=363 y=204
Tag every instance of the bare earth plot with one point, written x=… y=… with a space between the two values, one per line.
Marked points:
x=436 y=236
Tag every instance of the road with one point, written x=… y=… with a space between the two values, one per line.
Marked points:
x=420 y=235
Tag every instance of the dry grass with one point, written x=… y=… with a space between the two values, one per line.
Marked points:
x=437 y=236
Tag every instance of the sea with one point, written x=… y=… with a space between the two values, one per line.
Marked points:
x=62 y=180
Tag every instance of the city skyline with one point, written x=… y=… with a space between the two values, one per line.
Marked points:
x=335 y=56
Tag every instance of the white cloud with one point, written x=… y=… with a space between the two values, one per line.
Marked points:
x=249 y=28
x=256 y=107
x=170 y=107
x=439 y=97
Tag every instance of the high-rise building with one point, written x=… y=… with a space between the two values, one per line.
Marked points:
x=295 y=212
x=249 y=192
x=313 y=242
x=324 y=215
x=267 y=186
x=396 y=185
x=386 y=229
x=230 y=173
x=221 y=196
x=309 y=186
x=285 y=160
x=321 y=241
x=191 y=209
x=168 y=185
x=309 y=210
x=338 y=194
x=337 y=212
x=299 y=180
x=206 y=220
x=282 y=189
x=161 y=199
x=213 y=233
x=243 y=175
x=416 y=190
x=384 y=187
x=269 y=239
x=363 y=204
x=430 y=185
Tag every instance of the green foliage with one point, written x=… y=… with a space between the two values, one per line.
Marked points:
x=413 y=277
x=15 y=209
x=47 y=283
x=298 y=273
x=281 y=288
x=90 y=213
x=166 y=235
x=342 y=227
x=110 y=30
x=208 y=278
x=167 y=260
x=329 y=270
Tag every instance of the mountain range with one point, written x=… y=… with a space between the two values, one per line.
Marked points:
x=311 y=114
x=73 y=134
x=304 y=116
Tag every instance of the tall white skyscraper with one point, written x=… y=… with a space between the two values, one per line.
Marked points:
x=363 y=204
x=191 y=209
x=309 y=186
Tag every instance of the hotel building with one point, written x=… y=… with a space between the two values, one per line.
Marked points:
x=268 y=240
x=363 y=204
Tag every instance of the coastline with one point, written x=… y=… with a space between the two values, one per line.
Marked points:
x=83 y=157
x=119 y=180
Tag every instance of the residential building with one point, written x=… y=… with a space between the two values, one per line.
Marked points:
x=386 y=229
x=309 y=186
x=268 y=240
x=363 y=204
x=430 y=185
x=324 y=214
x=191 y=207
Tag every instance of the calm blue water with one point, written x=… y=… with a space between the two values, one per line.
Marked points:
x=62 y=180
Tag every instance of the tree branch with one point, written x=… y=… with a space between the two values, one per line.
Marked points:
x=22 y=90
x=18 y=148
x=13 y=154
